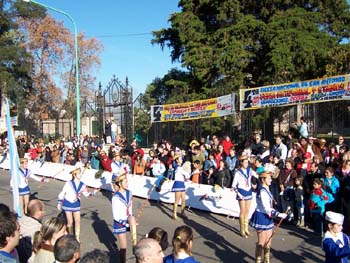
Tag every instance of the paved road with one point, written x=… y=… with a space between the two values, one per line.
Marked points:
x=216 y=238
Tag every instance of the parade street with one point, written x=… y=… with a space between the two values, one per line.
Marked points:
x=216 y=238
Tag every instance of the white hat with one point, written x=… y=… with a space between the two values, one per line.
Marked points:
x=335 y=218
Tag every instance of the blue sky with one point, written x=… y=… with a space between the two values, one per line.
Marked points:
x=131 y=56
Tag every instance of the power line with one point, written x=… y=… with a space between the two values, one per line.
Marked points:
x=123 y=35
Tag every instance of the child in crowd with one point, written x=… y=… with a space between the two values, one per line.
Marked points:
x=160 y=235
x=335 y=244
x=196 y=172
x=182 y=246
x=171 y=172
x=317 y=204
x=299 y=199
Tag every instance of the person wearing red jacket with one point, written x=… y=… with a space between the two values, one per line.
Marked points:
x=227 y=144
x=106 y=162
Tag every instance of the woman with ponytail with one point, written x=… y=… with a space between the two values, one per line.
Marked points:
x=44 y=240
x=182 y=246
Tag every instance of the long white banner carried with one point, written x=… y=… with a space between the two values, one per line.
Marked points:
x=209 y=108
x=198 y=196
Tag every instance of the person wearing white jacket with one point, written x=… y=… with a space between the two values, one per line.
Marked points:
x=69 y=201
x=23 y=187
x=122 y=215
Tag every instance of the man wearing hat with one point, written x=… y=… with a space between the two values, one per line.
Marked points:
x=335 y=244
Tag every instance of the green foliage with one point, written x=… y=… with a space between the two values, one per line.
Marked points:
x=222 y=42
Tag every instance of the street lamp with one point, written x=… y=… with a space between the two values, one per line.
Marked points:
x=76 y=57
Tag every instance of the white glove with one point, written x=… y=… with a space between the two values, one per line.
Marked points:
x=59 y=207
x=282 y=215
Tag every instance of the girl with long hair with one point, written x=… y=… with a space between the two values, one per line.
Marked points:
x=262 y=218
x=242 y=185
x=122 y=215
x=182 y=246
x=179 y=187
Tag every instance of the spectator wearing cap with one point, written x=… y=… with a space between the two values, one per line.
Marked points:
x=335 y=243
x=314 y=148
x=305 y=166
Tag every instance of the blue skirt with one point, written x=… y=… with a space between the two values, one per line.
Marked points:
x=119 y=228
x=261 y=221
x=178 y=186
x=71 y=207
x=245 y=195
x=24 y=191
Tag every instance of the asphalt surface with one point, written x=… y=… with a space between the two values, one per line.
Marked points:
x=216 y=238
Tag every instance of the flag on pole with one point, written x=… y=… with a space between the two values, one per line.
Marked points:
x=14 y=162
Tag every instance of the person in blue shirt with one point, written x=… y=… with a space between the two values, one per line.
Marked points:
x=335 y=244
x=9 y=236
x=182 y=246
x=332 y=186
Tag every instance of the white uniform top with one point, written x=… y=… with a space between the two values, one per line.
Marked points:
x=24 y=175
x=122 y=205
x=118 y=168
x=264 y=202
x=181 y=174
x=72 y=194
x=242 y=179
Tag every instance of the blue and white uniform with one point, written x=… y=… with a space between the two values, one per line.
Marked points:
x=118 y=168
x=262 y=217
x=182 y=258
x=24 y=174
x=242 y=183
x=179 y=180
x=337 y=248
x=69 y=197
x=121 y=209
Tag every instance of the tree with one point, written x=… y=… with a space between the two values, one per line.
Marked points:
x=15 y=82
x=221 y=42
x=53 y=65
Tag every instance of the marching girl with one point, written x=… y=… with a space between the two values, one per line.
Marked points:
x=69 y=201
x=122 y=215
x=262 y=219
x=335 y=244
x=242 y=185
x=179 y=187
x=23 y=187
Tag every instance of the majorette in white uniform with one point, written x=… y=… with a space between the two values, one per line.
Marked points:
x=242 y=183
x=121 y=209
x=262 y=219
x=24 y=174
x=69 y=197
x=179 y=179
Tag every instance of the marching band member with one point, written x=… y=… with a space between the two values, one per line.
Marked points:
x=262 y=220
x=69 y=201
x=335 y=244
x=23 y=187
x=122 y=215
x=179 y=186
x=242 y=185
